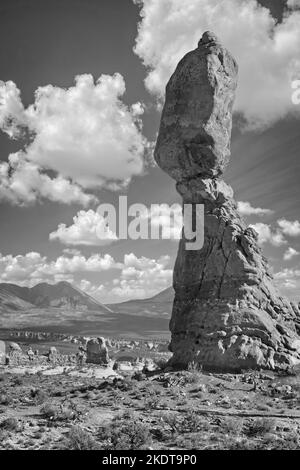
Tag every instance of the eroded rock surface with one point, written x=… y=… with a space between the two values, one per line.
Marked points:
x=96 y=352
x=227 y=312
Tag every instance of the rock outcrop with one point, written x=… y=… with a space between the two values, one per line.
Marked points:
x=227 y=313
x=2 y=352
x=97 y=352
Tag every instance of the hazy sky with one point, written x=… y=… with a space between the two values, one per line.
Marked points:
x=74 y=144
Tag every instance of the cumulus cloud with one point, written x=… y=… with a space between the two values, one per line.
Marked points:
x=23 y=183
x=266 y=234
x=89 y=228
x=141 y=278
x=138 y=277
x=267 y=52
x=290 y=254
x=84 y=134
x=288 y=281
x=246 y=209
x=290 y=228
x=32 y=268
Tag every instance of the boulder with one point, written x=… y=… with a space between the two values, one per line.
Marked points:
x=97 y=352
x=227 y=313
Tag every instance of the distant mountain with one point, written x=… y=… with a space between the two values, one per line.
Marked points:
x=158 y=306
x=10 y=301
x=61 y=295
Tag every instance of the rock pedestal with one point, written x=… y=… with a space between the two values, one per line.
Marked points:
x=96 y=352
x=227 y=313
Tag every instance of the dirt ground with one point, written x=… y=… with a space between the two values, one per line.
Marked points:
x=95 y=408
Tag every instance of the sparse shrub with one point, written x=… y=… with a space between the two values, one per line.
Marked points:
x=5 y=399
x=231 y=425
x=190 y=377
x=79 y=439
x=59 y=413
x=18 y=381
x=49 y=411
x=152 y=402
x=260 y=426
x=191 y=422
x=131 y=435
x=172 y=420
x=125 y=384
x=9 y=424
x=139 y=376
x=39 y=396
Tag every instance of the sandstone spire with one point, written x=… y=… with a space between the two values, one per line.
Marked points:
x=227 y=313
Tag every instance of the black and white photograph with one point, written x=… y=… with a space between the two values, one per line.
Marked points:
x=149 y=228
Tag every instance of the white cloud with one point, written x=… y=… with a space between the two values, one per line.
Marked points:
x=291 y=228
x=246 y=209
x=23 y=183
x=141 y=278
x=265 y=234
x=71 y=251
x=267 y=52
x=288 y=281
x=290 y=254
x=85 y=134
x=88 y=228
x=138 y=277
x=33 y=268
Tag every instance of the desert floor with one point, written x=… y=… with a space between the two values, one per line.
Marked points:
x=94 y=408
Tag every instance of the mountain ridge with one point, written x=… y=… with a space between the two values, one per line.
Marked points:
x=60 y=295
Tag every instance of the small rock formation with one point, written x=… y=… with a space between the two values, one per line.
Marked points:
x=97 y=352
x=53 y=354
x=227 y=313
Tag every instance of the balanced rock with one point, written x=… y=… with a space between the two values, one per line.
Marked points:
x=97 y=352
x=195 y=129
x=227 y=313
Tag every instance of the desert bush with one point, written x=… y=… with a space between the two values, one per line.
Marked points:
x=131 y=435
x=152 y=402
x=139 y=376
x=190 y=377
x=9 y=424
x=260 y=426
x=49 y=411
x=18 y=381
x=5 y=399
x=79 y=439
x=231 y=425
x=65 y=412
x=191 y=422
x=39 y=396
x=173 y=421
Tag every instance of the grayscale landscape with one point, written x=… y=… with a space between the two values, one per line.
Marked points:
x=149 y=226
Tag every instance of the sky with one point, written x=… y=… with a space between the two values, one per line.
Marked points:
x=81 y=88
